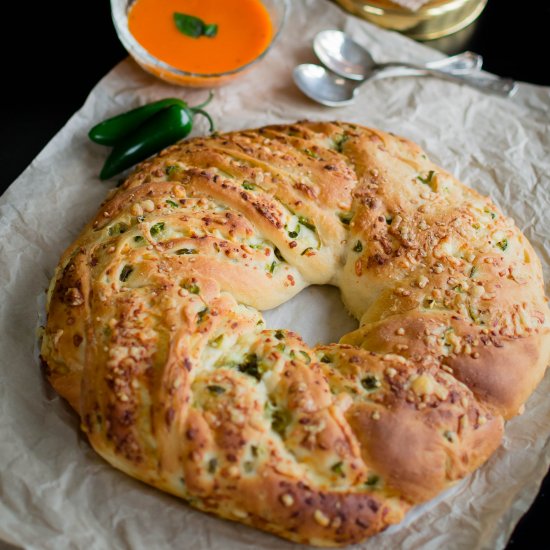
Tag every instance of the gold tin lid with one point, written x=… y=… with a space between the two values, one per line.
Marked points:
x=433 y=20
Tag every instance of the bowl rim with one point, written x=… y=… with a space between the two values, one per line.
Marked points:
x=135 y=49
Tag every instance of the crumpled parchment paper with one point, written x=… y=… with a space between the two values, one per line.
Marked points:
x=55 y=492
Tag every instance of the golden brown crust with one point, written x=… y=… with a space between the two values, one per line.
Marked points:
x=154 y=338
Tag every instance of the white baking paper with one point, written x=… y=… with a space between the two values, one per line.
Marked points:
x=55 y=492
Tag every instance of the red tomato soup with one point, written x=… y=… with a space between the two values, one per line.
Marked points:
x=243 y=32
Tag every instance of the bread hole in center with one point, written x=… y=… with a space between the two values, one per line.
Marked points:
x=317 y=314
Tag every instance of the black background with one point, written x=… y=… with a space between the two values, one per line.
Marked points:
x=53 y=53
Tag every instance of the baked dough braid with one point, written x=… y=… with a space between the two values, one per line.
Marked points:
x=154 y=336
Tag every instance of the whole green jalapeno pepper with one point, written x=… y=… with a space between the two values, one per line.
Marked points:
x=112 y=130
x=162 y=129
x=144 y=131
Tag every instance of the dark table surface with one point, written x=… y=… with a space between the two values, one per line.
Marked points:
x=59 y=50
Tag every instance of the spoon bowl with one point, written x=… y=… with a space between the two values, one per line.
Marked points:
x=342 y=55
x=324 y=87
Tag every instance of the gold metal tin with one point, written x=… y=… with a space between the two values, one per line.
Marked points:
x=433 y=20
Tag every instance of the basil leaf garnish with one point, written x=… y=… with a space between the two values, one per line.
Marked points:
x=194 y=26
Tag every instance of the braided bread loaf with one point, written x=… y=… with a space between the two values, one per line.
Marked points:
x=154 y=337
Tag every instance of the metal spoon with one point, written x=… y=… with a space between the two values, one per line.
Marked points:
x=332 y=90
x=324 y=87
x=343 y=56
x=348 y=59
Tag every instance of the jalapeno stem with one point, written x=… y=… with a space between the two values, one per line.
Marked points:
x=204 y=103
x=196 y=110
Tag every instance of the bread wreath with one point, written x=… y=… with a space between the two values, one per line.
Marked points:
x=154 y=336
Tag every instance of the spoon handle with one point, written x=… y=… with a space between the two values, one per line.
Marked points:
x=493 y=85
x=465 y=62
x=490 y=84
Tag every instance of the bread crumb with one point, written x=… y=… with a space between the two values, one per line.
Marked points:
x=321 y=518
